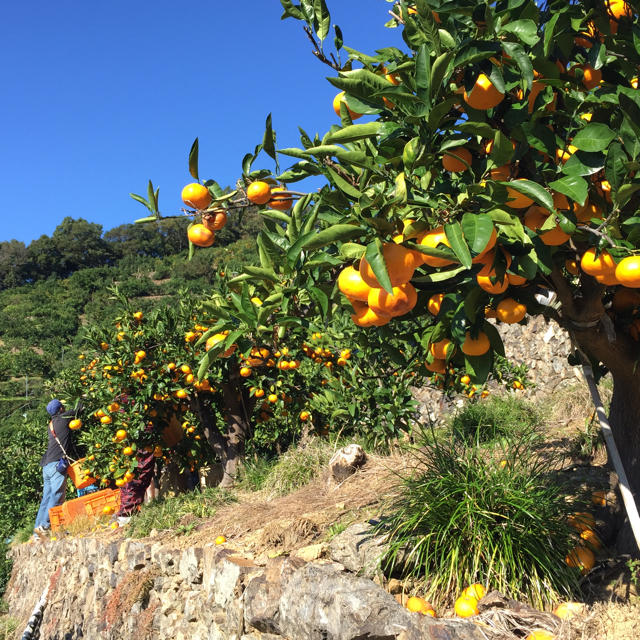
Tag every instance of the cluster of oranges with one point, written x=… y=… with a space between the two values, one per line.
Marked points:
x=203 y=234
x=583 y=554
x=260 y=192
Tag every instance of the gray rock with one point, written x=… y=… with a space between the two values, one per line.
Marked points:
x=190 y=567
x=357 y=549
x=346 y=461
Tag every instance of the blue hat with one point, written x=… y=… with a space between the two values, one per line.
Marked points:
x=53 y=407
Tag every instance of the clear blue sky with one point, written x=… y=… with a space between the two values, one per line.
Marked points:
x=98 y=98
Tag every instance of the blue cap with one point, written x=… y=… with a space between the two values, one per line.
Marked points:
x=53 y=407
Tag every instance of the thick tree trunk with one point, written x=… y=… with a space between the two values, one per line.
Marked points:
x=595 y=334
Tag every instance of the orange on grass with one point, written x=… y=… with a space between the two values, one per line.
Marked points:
x=401 y=301
x=259 y=192
x=280 y=200
x=456 y=160
x=510 y=311
x=466 y=606
x=540 y=634
x=432 y=239
x=567 y=610
x=517 y=200
x=336 y=106
x=483 y=95
x=627 y=272
x=399 y=262
x=220 y=540
x=199 y=235
x=582 y=558
x=196 y=195
x=476 y=346
x=215 y=220
x=599 y=498
x=440 y=349
x=350 y=283
x=475 y=590
x=591 y=539
x=582 y=520
x=434 y=303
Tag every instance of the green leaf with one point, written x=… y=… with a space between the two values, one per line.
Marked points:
x=525 y=30
x=410 y=153
x=624 y=194
x=274 y=214
x=291 y=10
x=615 y=166
x=335 y=233
x=354 y=132
x=423 y=69
x=454 y=234
x=343 y=185
x=439 y=72
x=549 y=28
x=400 y=194
x=269 y=139
x=477 y=128
x=583 y=163
x=147 y=219
x=141 y=200
x=321 y=299
x=573 y=186
x=477 y=229
x=502 y=150
x=375 y=258
x=295 y=153
x=594 y=137
x=352 y=250
x=152 y=197
x=193 y=160
x=522 y=60
x=533 y=190
x=338 y=39
x=440 y=276
x=322 y=19
x=262 y=273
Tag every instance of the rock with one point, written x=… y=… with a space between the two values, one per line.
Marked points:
x=346 y=461
x=310 y=552
x=357 y=549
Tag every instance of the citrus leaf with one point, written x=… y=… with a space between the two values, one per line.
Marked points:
x=375 y=258
x=322 y=19
x=525 y=30
x=549 y=28
x=321 y=299
x=354 y=132
x=343 y=185
x=269 y=140
x=352 y=250
x=477 y=230
x=533 y=190
x=335 y=233
x=573 y=186
x=262 y=273
x=454 y=234
x=147 y=219
x=193 y=160
x=594 y=137
x=439 y=72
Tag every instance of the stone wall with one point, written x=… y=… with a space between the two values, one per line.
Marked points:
x=144 y=590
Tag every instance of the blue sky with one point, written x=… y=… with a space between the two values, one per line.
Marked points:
x=99 y=98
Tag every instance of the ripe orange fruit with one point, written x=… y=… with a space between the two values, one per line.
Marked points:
x=127 y=451
x=572 y=267
x=588 y=211
x=304 y=416
x=591 y=77
x=220 y=540
x=510 y=311
x=618 y=9
x=491 y=243
x=500 y=173
x=199 y=235
x=259 y=192
x=582 y=520
x=476 y=591
x=364 y=316
x=535 y=217
x=594 y=265
x=434 y=303
x=516 y=199
x=400 y=265
x=516 y=280
x=336 y=106
x=215 y=220
x=540 y=634
x=497 y=287
x=417 y=604
x=272 y=398
x=567 y=610
x=401 y=301
x=196 y=195
x=436 y=366
x=483 y=95
x=456 y=160
x=476 y=346
x=121 y=434
x=75 y=424
x=599 y=498
x=591 y=539
x=105 y=419
x=627 y=272
x=563 y=155
x=280 y=201
x=157 y=451
x=350 y=283
x=432 y=239
x=440 y=349
x=259 y=393
x=582 y=558
x=466 y=606
x=245 y=372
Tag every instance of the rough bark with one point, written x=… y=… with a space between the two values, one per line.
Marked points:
x=585 y=317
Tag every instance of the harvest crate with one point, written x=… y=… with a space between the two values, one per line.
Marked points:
x=90 y=505
x=79 y=476
x=56 y=517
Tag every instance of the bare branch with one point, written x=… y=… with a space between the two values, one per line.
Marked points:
x=317 y=51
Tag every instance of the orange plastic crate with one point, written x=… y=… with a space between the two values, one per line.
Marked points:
x=56 y=517
x=90 y=505
x=79 y=476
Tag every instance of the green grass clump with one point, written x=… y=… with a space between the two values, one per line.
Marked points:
x=494 y=418
x=254 y=473
x=8 y=627
x=470 y=514
x=297 y=467
x=167 y=513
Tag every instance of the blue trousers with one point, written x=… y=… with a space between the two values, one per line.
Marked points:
x=52 y=494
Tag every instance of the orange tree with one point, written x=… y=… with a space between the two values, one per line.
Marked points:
x=494 y=176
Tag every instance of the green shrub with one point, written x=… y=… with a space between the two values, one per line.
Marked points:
x=297 y=467
x=495 y=516
x=254 y=473
x=168 y=513
x=495 y=417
